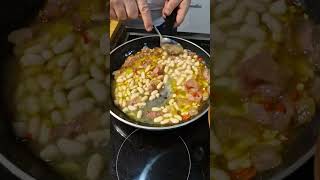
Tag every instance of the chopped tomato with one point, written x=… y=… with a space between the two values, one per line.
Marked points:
x=268 y=106
x=244 y=174
x=85 y=37
x=295 y=95
x=200 y=59
x=28 y=136
x=280 y=108
x=185 y=117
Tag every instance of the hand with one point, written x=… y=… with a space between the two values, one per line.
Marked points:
x=183 y=6
x=129 y=9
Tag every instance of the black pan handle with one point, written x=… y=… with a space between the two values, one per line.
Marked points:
x=168 y=26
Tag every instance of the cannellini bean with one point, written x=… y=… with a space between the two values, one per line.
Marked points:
x=34 y=127
x=65 y=44
x=141 y=91
x=178 y=117
x=156 y=109
x=158 y=119
x=252 y=18
x=20 y=36
x=252 y=32
x=72 y=69
x=228 y=56
x=20 y=128
x=223 y=7
x=77 y=81
x=32 y=105
x=45 y=81
x=97 y=89
x=80 y=106
x=255 y=6
x=278 y=7
x=71 y=148
x=139 y=114
x=60 y=99
x=253 y=49
x=47 y=54
x=239 y=163
x=236 y=44
x=50 y=152
x=83 y=138
x=63 y=59
x=32 y=59
x=56 y=117
x=98 y=137
x=35 y=49
x=165 y=78
x=174 y=120
x=144 y=98
x=218 y=174
x=126 y=109
x=152 y=97
x=44 y=134
x=164 y=121
x=238 y=13
x=77 y=93
x=132 y=108
x=167 y=115
x=96 y=72
x=95 y=167
x=154 y=92
x=273 y=24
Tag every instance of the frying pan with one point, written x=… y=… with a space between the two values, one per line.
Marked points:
x=119 y=55
x=17 y=158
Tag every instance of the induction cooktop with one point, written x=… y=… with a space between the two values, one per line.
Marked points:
x=180 y=154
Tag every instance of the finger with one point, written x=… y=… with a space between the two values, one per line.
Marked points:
x=170 y=5
x=132 y=9
x=145 y=13
x=113 y=14
x=120 y=11
x=182 y=11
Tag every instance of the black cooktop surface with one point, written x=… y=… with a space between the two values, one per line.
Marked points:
x=178 y=154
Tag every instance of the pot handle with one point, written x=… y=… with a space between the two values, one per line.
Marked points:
x=168 y=26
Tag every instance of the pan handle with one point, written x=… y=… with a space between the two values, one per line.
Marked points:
x=168 y=26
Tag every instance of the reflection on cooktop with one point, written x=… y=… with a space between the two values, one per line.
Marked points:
x=180 y=154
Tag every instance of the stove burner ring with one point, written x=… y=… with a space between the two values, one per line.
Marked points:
x=118 y=154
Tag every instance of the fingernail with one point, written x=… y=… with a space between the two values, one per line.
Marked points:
x=149 y=29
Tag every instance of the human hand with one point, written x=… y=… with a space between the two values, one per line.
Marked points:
x=183 y=6
x=129 y=9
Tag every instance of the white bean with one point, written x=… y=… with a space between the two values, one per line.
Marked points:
x=278 y=7
x=139 y=114
x=71 y=148
x=96 y=72
x=97 y=89
x=77 y=81
x=65 y=44
x=71 y=70
x=50 y=152
x=223 y=7
x=218 y=174
x=44 y=134
x=77 y=93
x=60 y=99
x=32 y=105
x=274 y=26
x=252 y=18
x=20 y=36
x=32 y=59
x=80 y=106
x=56 y=117
x=35 y=49
x=47 y=54
x=63 y=59
x=158 y=119
x=45 y=81
x=95 y=167
x=98 y=137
